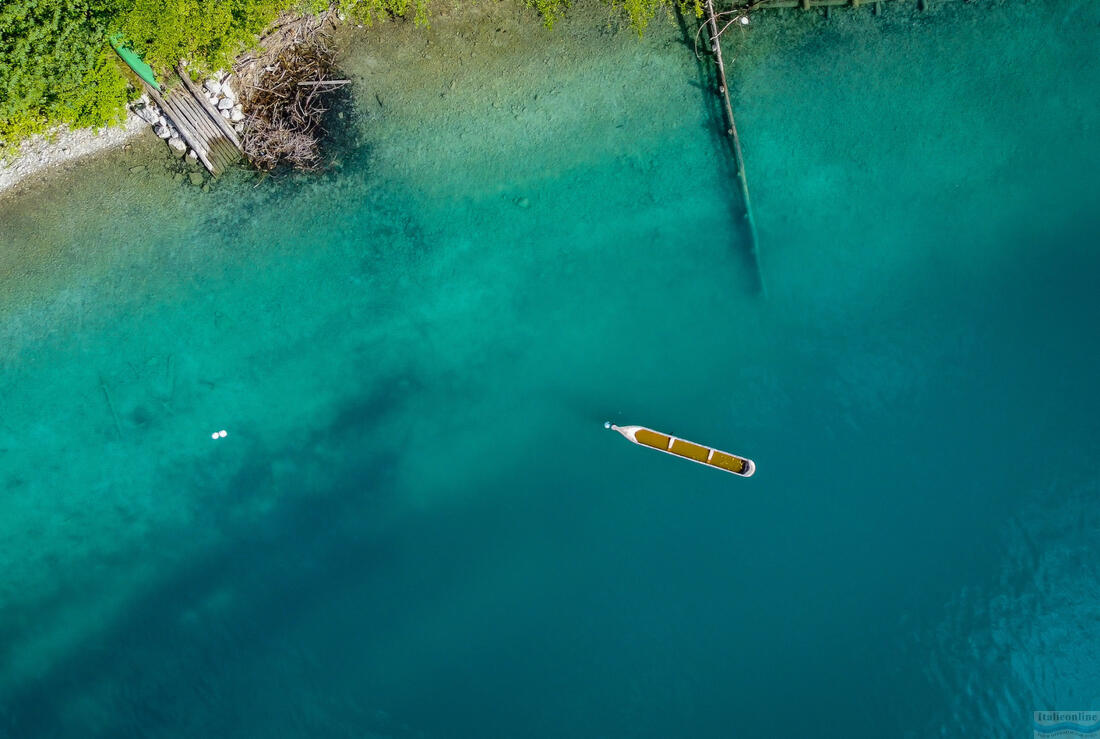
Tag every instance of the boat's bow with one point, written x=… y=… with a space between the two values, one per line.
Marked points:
x=684 y=449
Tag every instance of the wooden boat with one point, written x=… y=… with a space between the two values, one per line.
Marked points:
x=686 y=449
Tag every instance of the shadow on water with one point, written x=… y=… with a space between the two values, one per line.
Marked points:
x=344 y=165
x=724 y=160
x=197 y=636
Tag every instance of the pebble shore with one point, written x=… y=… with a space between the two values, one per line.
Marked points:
x=64 y=145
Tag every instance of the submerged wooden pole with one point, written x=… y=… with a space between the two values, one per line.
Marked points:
x=739 y=159
x=826 y=4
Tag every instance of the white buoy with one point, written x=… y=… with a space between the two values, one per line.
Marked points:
x=215 y=435
x=744 y=20
x=607 y=424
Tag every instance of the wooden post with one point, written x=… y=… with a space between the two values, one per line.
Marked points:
x=739 y=159
x=214 y=114
x=217 y=142
x=110 y=406
x=185 y=132
x=184 y=108
x=222 y=153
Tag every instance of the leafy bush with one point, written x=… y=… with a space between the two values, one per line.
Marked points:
x=100 y=96
x=550 y=10
x=56 y=66
x=208 y=32
x=53 y=66
x=367 y=11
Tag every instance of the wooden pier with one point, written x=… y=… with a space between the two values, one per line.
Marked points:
x=201 y=126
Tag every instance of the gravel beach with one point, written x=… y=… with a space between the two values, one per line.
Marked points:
x=63 y=145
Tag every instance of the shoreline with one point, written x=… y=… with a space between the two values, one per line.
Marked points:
x=42 y=153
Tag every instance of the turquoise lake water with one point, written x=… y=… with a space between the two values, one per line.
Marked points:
x=417 y=525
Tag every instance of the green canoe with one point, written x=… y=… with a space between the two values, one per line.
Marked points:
x=142 y=69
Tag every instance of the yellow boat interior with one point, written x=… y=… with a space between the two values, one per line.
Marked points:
x=690 y=450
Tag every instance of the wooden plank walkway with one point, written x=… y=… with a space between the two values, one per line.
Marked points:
x=201 y=126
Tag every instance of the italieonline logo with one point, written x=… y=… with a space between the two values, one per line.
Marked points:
x=1067 y=724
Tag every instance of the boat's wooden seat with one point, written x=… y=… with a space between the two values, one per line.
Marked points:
x=651 y=438
x=690 y=450
x=727 y=462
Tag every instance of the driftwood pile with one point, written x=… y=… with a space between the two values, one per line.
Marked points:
x=286 y=95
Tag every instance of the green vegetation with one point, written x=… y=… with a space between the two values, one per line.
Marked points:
x=57 y=67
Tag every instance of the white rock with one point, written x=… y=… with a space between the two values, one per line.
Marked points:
x=162 y=131
x=148 y=115
x=192 y=155
x=239 y=128
x=236 y=115
x=178 y=145
x=226 y=114
x=213 y=86
x=225 y=104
